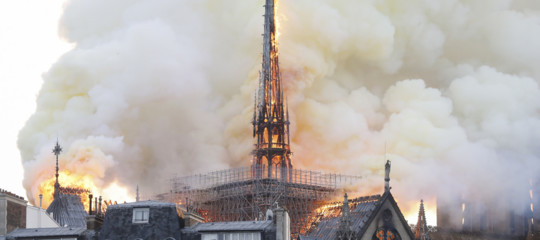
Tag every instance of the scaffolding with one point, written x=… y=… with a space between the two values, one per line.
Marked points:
x=240 y=194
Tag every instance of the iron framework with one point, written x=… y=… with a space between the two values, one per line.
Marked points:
x=239 y=194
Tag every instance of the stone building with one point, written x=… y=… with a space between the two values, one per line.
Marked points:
x=12 y=212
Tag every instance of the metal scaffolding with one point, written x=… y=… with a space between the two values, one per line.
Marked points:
x=239 y=195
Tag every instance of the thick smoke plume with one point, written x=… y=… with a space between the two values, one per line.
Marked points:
x=152 y=88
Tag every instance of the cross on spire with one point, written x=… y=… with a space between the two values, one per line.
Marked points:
x=57 y=150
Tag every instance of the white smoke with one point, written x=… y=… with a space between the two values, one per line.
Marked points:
x=450 y=87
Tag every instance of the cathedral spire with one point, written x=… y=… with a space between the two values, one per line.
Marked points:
x=422 y=232
x=57 y=150
x=271 y=156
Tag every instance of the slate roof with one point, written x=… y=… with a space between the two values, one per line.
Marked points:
x=328 y=221
x=148 y=203
x=68 y=211
x=46 y=232
x=163 y=221
x=248 y=226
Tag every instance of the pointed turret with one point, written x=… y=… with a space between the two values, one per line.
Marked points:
x=422 y=232
x=271 y=156
x=57 y=150
x=346 y=231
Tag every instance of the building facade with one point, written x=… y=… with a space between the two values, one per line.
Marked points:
x=12 y=212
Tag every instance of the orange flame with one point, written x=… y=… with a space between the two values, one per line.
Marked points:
x=67 y=179
x=84 y=182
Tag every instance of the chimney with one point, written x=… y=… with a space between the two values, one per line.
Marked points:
x=40 y=209
x=90 y=197
x=192 y=218
x=283 y=224
x=94 y=222
x=99 y=207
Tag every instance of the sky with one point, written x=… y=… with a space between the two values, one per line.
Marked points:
x=29 y=45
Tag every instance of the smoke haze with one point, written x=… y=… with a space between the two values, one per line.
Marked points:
x=154 y=88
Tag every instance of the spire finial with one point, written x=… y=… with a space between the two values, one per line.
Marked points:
x=57 y=150
x=387 y=176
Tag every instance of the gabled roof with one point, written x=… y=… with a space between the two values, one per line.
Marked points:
x=46 y=232
x=388 y=196
x=363 y=212
x=68 y=210
x=234 y=226
x=327 y=223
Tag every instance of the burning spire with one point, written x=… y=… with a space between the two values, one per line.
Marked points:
x=57 y=150
x=422 y=232
x=271 y=156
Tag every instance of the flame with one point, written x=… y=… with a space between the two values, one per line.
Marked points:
x=67 y=179
x=117 y=192
x=324 y=209
x=83 y=182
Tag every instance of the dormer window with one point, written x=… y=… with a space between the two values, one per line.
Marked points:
x=140 y=215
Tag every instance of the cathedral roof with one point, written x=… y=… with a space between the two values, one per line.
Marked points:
x=328 y=221
x=68 y=210
x=363 y=211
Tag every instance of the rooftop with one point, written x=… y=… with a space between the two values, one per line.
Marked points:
x=142 y=204
x=3 y=191
x=234 y=226
x=47 y=232
x=329 y=219
x=68 y=210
